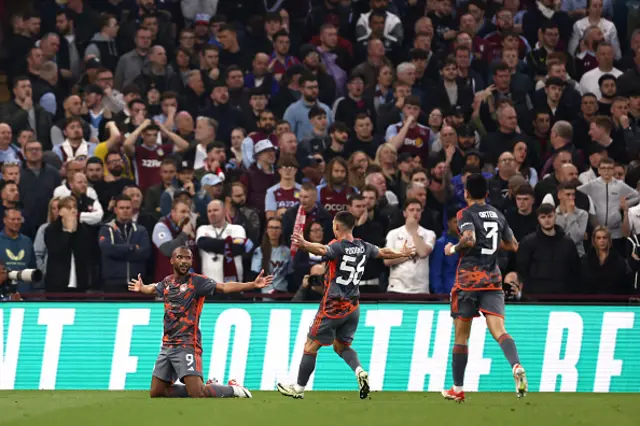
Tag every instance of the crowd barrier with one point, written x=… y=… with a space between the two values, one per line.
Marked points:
x=405 y=346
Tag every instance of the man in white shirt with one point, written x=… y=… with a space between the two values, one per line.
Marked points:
x=221 y=245
x=605 y=56
x=410 y=276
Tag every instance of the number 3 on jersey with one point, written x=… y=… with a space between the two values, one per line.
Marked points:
x=491 y=229
x=349 y=273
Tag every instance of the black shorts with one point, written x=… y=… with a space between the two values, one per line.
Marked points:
x=469 y=304
x=325 y=330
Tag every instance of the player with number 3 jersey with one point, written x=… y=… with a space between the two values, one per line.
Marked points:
x=337 y=319
x=478 y=284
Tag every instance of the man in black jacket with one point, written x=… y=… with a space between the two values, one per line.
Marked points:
x=548 y=260
x=371 y=232
x=37 y=183
x=21 y=113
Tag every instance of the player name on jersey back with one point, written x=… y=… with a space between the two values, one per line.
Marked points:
x=488 y=215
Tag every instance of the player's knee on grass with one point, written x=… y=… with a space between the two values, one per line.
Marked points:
x=195 y=387
x=158 y=388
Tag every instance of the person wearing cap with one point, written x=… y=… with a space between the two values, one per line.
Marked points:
x=261 y=175
x=266 y=126
x=103 y=44
x=284 y=194
x=297 y=114
x=221 y=245
x=346 y=108
x=211 y=187
x=131 y=63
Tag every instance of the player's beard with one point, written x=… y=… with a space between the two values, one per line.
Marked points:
x=182 y=270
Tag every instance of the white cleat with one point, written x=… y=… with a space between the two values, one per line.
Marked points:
x=363 y=383
x=522 y=386
x=290 y=391
x=239 y=391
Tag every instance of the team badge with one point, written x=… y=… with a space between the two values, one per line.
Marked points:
x=419 y=142
x=183 y=288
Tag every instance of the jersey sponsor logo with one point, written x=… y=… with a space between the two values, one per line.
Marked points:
x=15 y=257
x=285 y=204
x=151 y=164
x=335 y=207
x=418 y=142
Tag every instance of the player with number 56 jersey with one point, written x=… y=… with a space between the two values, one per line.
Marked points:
x=337 y=319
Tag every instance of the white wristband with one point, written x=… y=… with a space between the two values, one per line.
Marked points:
x=452 y=250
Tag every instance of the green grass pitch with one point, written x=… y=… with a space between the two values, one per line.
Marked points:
x=66 y=408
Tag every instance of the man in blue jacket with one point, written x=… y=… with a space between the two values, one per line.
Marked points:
x=442 y=269
x=125 y=247
x=16 y=249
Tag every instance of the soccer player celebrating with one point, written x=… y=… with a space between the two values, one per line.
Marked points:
x=181 y=354
x=478 y=285
x=339 y=313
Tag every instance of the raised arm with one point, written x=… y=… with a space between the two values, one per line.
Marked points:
x=180 y=144
x=114 y=135
x=234 y=287
x=137 y=286
x=313 y=248
x=398 y=140
x=389 y=253
x=130 y=141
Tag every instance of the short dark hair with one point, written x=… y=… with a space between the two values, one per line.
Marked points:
x=74 y=119
x=104 y=19
x=316 y=111
x=567 y=185
x=305 y=77
x=227 y=27
x=526 y=189
x=606 y=77
x=607 y=160
x=346 y=219
x=281 y=33
x=548 y=24
x=338 y=126
x=18 y=79
x=380 y=13
x=411 y=201
x=545 y=208
x=120 y=197
x=476 y=186
x=500 y=66
x=355 y=197
x=272 y=17
x=413 y=100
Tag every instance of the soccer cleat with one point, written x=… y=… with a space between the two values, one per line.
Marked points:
x=239 y=391
x=522 y=386
x=290 y=391
x=452 y=395
x=363 y=383
x=212 y=381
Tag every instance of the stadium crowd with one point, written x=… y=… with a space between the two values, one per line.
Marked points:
x=137 y=126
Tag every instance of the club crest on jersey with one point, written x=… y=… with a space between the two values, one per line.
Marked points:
x=183 y=288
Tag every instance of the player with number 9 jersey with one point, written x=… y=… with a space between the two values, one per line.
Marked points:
x=478 y=268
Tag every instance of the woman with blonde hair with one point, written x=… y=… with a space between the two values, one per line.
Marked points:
x=358 y=164
x=604 y=271
x=39 y=247
x=387 y=159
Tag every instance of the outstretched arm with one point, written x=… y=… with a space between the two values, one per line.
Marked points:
x=235 y=287
x=313 y=248
x=389 y=253
x=137 y=286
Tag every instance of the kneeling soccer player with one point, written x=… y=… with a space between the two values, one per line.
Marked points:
x=181 y=354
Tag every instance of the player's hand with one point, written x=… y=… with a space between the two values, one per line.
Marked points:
x=298 y=239
x=447 y=249
x=136 y=285
x=408 y=251
x=261 y=281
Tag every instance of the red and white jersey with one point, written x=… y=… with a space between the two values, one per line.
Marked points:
x=334 y=200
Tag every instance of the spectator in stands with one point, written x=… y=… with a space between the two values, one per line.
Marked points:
x=174 y=230
x=605 y=56
x=238 y=213
x=303 y=261
x=410 y=275
x=168 y=172
x=550 y=182
x=572 y=219
x=284 y=194
x=499 y=184
x=103 y=44
x=266 y=126
x=314 y=212
x=334 y=193
x=604 y=270
x=297 y=114
x=370 y=231
x=547 y=259
x=16 y=249
x=261 y=175
x=186 y=182
x=523 y=220
x=90 y=210
x=37 y=183
x=347 y=108
x=74 y=146
x=131 y=63
x=409 y=135
x=222 y=245
x=442 y=269
x=594 y=17
x=21 y=113
x=69 y=251
x=272 y=257
x=608 y=195
x=39 y=246
x=505 y=138
x=125 y=247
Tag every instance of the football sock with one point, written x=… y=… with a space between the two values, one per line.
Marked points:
x=307 y=365
x=351 y=358
x=218 y=391
x=459 y=364
x=508 y=346
x=177 y=391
